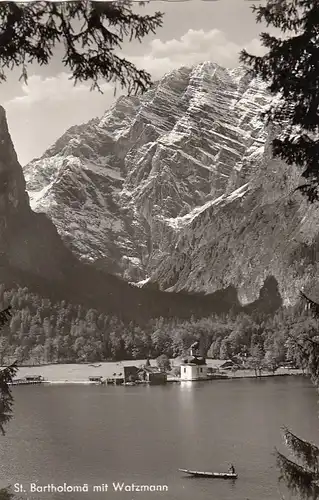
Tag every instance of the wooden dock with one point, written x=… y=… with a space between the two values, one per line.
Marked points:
x=28 y=380
x=22 y=381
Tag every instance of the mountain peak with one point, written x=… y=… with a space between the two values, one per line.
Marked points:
x=111 y=185
x=178 y=187
x=2 y=113
x=13 y=194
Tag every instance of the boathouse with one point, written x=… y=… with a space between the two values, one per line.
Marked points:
x=194 y=366
x=130 y=374
x=152 y=375
x=144 y=374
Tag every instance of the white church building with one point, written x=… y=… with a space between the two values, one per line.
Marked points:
x=194 y=367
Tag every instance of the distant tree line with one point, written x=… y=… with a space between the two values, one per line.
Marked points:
x=44 y=332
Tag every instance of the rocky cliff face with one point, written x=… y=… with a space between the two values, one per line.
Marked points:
x=110 y=185
x=178 y=188
x=28 y=241
x=33 y=254
x=259 y=230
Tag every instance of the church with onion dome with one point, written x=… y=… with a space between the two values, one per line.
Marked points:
x=194 y=366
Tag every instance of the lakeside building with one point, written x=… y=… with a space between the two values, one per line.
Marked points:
x=130 y=374
x=147 y=374
x=152 y=375
x=194 y=366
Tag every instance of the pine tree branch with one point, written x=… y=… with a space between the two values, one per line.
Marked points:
x=304 y=451
x=298 y=479
x=279 y=13
x=6 y=494
x=314 y=306
x=91 y=33
x=290 y=69
x=6 y=399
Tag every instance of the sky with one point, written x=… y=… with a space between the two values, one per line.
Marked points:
x=193 y=31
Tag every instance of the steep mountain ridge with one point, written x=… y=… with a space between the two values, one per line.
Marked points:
x=33 y=254
x=109 y=185
x=178 y=189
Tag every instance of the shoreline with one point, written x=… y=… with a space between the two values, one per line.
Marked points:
x=73 y=380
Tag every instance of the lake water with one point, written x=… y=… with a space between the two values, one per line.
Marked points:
x=102 y=434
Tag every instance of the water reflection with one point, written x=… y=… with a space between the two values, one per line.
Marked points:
x=186 y=385
x=186 y=407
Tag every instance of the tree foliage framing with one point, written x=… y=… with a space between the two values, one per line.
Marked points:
x=291 y=69
x=91 y=33
x=301 y=474
x=6 y=376
x=6 y=399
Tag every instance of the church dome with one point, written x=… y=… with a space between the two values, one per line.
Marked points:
x=194 y=360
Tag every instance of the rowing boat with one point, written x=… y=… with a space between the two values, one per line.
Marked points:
x=217 y=475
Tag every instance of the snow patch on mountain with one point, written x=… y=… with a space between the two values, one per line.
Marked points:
x=178 y=223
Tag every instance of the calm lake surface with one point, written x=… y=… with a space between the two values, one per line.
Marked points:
x=142 y=435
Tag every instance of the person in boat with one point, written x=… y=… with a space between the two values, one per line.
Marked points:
x=231 y=469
